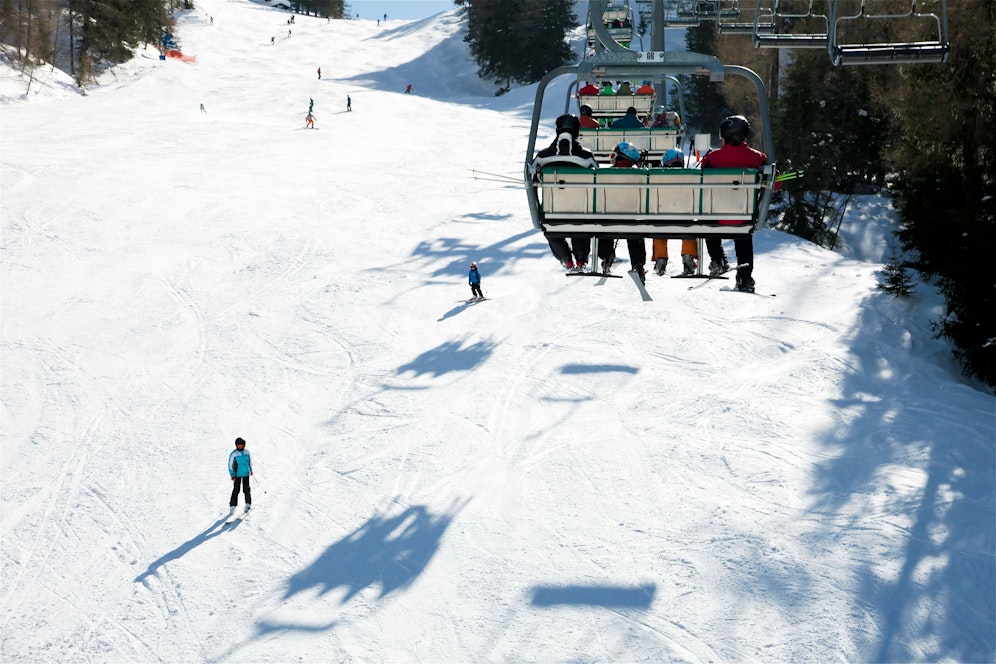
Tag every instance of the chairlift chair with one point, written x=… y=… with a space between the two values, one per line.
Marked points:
x=671 y=203
x=794 y=28
x=602 y=37
x=749 y=17
x=932 y=26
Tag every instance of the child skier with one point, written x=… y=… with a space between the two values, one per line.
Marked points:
x=475 y=283
x=239 y=469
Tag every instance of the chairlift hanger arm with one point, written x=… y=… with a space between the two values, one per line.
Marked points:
x=596 y=9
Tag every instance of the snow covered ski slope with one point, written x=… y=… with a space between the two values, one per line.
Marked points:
x=571 y=472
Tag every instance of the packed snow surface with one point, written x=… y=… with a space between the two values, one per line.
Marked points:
x=564 y=473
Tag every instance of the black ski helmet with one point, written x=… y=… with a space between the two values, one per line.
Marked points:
x=734 y=129
x=570 y=124
x=585 y=109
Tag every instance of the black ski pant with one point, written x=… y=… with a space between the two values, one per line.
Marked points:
x=637 y=252
x=744 y=248
x=244 y=482
x=577 y=251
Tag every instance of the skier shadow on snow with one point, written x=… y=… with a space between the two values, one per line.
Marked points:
x=212 y=531
x=386 y=551
x=457 y=309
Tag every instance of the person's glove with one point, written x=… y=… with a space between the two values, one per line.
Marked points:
x=250 y=472
x=233 y=478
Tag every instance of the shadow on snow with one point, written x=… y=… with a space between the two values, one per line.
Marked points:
x=212 y=531
x=942 y=593
x=449 y=356
x=386 y=551
x=620 y=597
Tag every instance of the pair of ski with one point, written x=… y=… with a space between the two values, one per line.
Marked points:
x=237 y=516
x=727 y=289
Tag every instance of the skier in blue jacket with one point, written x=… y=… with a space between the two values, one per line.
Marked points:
x=239 y=469
x=475 y=282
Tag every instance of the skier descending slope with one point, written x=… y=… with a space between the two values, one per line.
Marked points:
x=239 y=469
x=474 y=279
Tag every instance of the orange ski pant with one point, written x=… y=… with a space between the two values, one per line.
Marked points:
x=688 y=246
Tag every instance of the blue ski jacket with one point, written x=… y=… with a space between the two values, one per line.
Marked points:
x=475 y=276
x=239 y=463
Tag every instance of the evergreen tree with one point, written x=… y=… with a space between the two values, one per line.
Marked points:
x=519 y=40
x=898 y=280
x=945 y=154
x=705 y=106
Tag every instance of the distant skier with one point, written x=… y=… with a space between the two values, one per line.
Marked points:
x=349 y=103
x=202 y=109
x=408 y=90
x=309 y=122
x=272 y=41
x=311 y=104
x=319 y=73
x=240 y=469
x=474 y=279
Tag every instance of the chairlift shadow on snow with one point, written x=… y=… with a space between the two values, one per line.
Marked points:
x=453 y=255
x=618 y=597
x=388 y=552
x=598 y=368
x=449 y=356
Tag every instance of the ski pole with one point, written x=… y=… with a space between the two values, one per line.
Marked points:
x=508 y=178
x=792 y=175
x=257 y=482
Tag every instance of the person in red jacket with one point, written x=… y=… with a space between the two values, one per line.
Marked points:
x=735 y=153
x=588 y=89
x=587 y=121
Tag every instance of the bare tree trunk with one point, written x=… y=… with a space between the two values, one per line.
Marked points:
x=72 y=42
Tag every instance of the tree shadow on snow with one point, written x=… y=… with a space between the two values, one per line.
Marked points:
x=461 y=85
x=939 y=605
